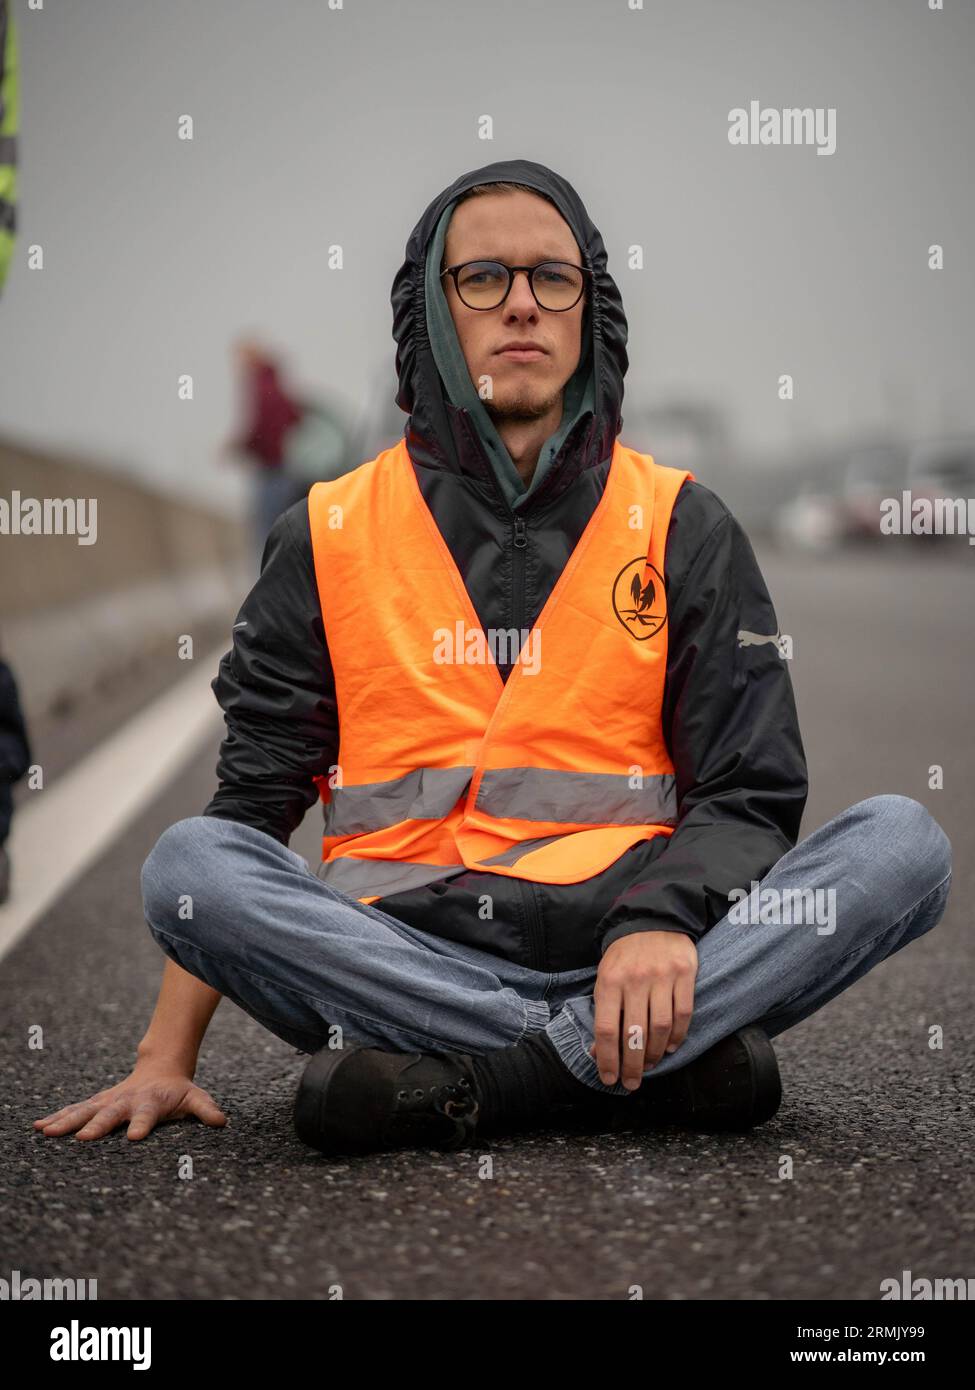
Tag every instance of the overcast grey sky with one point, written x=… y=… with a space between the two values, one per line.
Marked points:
x=315 y=126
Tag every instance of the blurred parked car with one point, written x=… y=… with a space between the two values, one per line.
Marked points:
x=840 y=501
x=942 y=468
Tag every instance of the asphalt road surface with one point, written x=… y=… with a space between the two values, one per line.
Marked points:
x=879 y=1127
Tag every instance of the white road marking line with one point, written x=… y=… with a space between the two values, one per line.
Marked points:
x=59 y=831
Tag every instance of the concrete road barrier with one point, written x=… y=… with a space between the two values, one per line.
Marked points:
x=97 y=569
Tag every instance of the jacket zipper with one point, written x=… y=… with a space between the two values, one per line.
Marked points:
x=535 y=945
x=519 y=546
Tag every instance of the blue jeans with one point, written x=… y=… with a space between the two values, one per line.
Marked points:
x=299 y=956
x=274 y=491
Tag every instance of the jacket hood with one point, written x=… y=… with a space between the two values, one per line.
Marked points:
x=449 y=427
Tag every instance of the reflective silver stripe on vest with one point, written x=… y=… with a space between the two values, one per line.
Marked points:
x=367 y=878
x=8 y=149
x=511 y=856
x=597 y=798
x=429 y=793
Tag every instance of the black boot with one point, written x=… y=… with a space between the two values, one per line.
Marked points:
x=732 y=1087
x=356 y=1100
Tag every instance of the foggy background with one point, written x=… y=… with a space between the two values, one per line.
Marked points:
x=315 y=126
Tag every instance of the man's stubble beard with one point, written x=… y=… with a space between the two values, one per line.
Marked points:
x=523 y=406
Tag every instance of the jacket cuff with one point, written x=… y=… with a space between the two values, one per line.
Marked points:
x=643 y=925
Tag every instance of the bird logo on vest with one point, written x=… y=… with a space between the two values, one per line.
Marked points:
x=639 y=600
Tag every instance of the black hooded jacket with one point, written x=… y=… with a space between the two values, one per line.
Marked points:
x=729 y=715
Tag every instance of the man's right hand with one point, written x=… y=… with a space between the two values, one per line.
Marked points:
x=153 y=1092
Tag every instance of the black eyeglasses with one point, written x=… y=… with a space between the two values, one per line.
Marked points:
x=556 y=285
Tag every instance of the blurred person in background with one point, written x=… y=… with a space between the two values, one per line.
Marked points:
x=270 y=414
x=15 y=759
x=320 y=447
x=8 y=138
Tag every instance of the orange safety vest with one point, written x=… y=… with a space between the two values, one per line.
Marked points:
x=550 y=775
